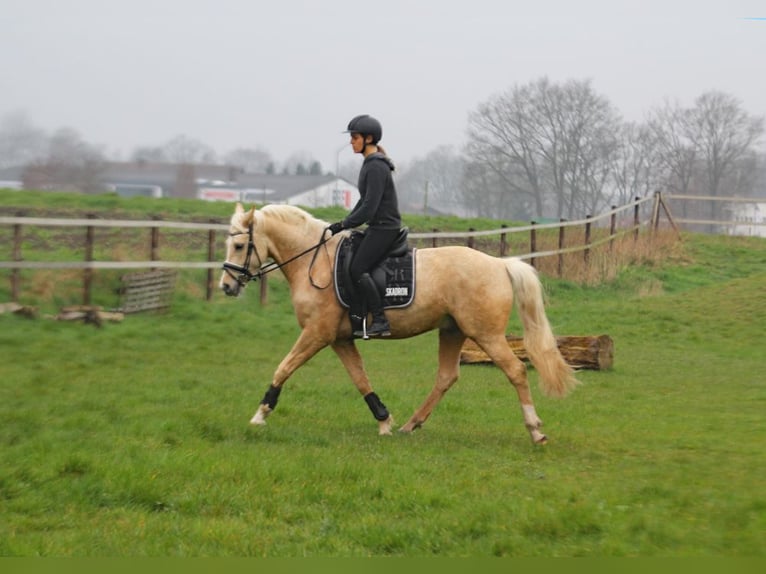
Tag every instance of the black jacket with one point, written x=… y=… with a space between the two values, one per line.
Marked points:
x=378 y=205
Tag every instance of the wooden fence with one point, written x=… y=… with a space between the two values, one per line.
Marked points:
x=689 y=209
x=619 y=221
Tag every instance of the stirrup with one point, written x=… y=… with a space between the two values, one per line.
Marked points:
x=362 y=333
x=359 y=326
x=375 y=330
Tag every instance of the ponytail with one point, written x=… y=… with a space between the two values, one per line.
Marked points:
x=390 y=162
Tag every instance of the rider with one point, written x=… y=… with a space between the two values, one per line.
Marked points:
x=378 y=207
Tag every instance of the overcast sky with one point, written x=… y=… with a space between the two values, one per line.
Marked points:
x=287 y=75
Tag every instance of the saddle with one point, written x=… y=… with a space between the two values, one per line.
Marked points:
x=394 y=276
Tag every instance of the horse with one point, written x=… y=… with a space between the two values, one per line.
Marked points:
x=462 y=292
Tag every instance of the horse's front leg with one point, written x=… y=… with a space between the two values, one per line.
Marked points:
x=307 y=345
x=352 y=360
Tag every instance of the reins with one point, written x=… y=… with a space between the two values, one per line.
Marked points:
x=244 y=275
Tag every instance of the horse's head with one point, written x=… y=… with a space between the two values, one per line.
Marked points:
x=243 y=256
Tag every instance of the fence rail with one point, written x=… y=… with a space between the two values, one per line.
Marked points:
x=733 y=226
x=609 y=219
x=71 y=222
x=17 y=263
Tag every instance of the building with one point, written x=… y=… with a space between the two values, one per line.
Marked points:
x=10 y=178
x=750 y=219
x=206 y=181
x=305 y=190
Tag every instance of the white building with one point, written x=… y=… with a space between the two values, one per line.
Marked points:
x=301 y=190
x=750 y=219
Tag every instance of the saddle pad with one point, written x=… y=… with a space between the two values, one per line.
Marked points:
x=397 y=272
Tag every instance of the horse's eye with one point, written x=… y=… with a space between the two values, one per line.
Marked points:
x=239 y=246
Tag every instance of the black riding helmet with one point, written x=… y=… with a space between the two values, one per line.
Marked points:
x=366 y=126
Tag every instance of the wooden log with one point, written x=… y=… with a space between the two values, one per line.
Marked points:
x=81 y=308
x=92 y=314
x=18 y=309
x=9 y=307
x=581 y=352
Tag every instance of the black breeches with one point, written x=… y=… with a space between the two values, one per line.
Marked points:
x=371 y=251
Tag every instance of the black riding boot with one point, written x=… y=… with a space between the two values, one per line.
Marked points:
x=380 y=326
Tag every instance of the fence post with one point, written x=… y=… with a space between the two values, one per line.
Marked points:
x=586 y=253
x=612 y=229
x=503 y=243
x=561 y=246
x=655 y=221
x=87 y=274
x=264 y=290
x=636 y=220
x=211 y=258
x=470 y=238
x=154 y=242
x=16 y=255
x=433 y=239
x=532 y=242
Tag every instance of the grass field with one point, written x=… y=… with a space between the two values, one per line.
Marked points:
x=133 y=439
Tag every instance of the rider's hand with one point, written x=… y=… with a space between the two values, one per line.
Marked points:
x=336 y=227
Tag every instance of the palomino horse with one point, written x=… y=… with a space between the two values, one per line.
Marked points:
x=459 y=291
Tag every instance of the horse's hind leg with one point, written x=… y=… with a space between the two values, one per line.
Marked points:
x=501 y=354
x=450 y=345
x=352 y=360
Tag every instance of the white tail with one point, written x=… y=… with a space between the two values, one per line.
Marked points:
x=556 y=376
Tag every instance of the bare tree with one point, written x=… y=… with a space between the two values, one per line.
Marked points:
x=633 y=165
x=71 y=163
x=674 y=148
x=20 y=141
x=708 y=146
x=349 y=169
x=185 y=150
x=148 y=154
x=579 y=139
x=315 y=168
x=757 y=187
x=548 y=143
x=748 y=176
x=432 y=182
x=297 y=163
x=485 y=194
x=251 y=160
x=723 y=134
x=502 y=144
x=594 y=176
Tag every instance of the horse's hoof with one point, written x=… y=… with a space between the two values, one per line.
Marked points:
x=409 y=427
x=384 y=427
x=541 y=440
x=258 y=419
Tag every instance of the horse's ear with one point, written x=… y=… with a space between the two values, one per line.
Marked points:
x=239 y=209
x=248 y=218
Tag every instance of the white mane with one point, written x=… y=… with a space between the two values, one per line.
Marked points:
x=293 y=216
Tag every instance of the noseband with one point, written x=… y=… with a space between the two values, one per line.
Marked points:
x=242 y=274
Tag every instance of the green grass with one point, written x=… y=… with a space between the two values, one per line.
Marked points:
x=133 y=439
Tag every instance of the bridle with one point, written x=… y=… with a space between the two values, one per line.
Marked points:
x=242 y=274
